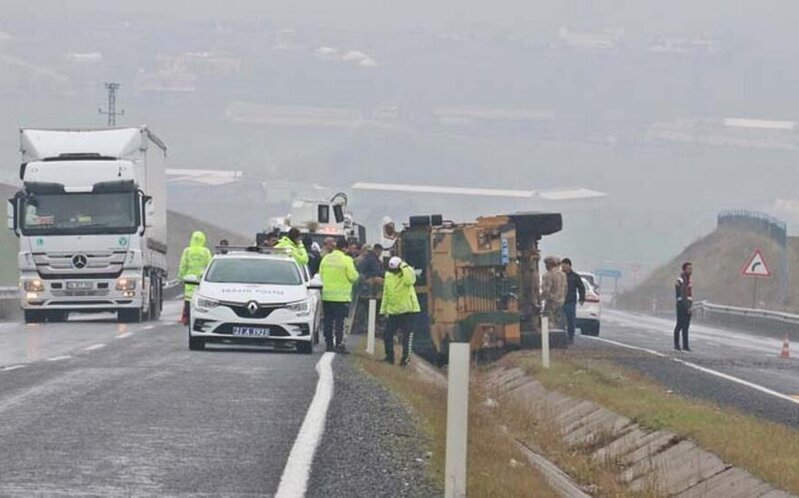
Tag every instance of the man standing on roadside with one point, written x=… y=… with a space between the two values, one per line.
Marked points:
x=685 y=300
x=400 y=304
x=338 y=274
x=575 y=292
x=553 y=290
x=193 y=262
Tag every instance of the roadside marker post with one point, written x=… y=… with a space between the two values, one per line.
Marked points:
x=370 y=330
x=545 y=342
x=457 y=420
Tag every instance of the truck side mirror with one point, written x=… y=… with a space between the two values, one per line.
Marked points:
x=11 y=209
x=149 y=211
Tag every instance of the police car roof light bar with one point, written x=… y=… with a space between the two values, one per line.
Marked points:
x=258 y=249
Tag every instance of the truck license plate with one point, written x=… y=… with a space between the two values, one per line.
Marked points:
x=79 y=285
x=250 y=332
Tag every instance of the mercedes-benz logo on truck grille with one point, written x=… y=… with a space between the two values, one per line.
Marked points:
x=252 y=307
x=80 y=261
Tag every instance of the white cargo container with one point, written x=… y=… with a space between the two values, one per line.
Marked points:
x=91 y=218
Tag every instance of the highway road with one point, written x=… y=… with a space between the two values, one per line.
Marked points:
x=726 y=366
x=94 y=408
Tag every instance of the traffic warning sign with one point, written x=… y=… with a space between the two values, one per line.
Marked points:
x=756 y=267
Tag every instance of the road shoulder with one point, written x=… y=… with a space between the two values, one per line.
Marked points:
x=373 y=445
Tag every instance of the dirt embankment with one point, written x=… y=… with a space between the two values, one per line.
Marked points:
x=718 y=260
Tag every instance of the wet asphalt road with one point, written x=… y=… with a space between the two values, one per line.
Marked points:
x=92 y=408
x=751 y=358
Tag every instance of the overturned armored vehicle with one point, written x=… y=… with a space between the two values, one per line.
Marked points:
x=479 y=282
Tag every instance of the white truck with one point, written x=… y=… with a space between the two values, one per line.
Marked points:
x=91 y=219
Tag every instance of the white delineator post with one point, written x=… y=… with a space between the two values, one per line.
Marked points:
x=370 y=329
x=545 y=342
x=457 y=420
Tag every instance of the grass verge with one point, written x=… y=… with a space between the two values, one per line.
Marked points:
x=496 y=467
x=767 y=450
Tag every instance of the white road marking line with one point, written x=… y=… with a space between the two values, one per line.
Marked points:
x=294 y=481
x=125 y=335
x=149 y=327
x=59 y=358
x=628 y=346
x=708 y=371
x=13 y=367
x=94 y=347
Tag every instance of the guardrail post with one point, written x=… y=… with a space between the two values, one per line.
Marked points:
x=457 y=420
x=545 y=342
x=370 y=329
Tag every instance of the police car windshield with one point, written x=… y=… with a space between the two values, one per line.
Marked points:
x=253 y=271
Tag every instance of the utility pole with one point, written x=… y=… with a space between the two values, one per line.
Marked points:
x=112 y=105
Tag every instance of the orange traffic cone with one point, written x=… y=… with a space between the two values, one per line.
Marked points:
x=786 y=352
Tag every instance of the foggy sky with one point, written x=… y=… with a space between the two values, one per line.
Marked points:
x=429 y=55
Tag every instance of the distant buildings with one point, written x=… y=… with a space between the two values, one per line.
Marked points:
x=605 y=39
x=180 y=73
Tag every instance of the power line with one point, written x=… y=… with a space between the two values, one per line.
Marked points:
x=112 y=105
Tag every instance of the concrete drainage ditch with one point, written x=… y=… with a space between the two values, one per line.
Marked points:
x=654 y=461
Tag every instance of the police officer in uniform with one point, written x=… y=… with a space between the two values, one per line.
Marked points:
x=400 y=305
x=338 y=274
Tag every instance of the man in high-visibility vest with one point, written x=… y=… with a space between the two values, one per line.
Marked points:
x=293 y=242
x=193 y=262
x=400 y=305
x=338 y=274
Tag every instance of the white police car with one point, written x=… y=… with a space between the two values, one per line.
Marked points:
x=248 y=296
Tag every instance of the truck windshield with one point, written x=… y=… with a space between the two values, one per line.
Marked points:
x=79 y=213
x=253 y=271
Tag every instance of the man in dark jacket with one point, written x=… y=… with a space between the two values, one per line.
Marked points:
x=685 y=300
x=575 y=292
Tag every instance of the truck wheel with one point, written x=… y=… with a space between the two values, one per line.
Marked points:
x=129 y=315
x=305 y=347
x=156 y=302
x=34 y=316
x=196 y=343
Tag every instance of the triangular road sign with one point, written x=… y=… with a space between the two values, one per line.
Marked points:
x=756 y=267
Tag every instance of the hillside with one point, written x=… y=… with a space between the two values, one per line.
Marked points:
x=180 y=228
x=718 y=259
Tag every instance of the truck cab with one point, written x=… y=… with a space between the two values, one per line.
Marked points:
x=91 y=221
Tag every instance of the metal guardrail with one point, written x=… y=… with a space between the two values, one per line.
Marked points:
x=754 y=321
x=778 y=316
x=10 y=292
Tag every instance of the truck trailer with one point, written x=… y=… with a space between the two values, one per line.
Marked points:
x=91 y=220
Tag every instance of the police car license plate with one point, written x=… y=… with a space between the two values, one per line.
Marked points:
x=250 y=332
x=79 y=285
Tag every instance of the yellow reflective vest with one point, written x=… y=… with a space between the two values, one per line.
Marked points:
x=298 y=251
x=399 y=295
x=338 y=273
x=193 y=261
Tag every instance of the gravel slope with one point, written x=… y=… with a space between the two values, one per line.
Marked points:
x=372 y=445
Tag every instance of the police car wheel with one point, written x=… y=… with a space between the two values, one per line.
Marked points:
x=196 y=343
x=305 y=347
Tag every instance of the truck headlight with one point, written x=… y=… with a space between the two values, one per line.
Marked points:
x=33 y=286
x=204 y=304
x=126 y=284
x=300 y=307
